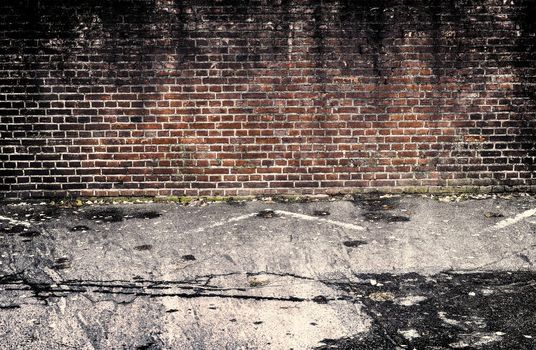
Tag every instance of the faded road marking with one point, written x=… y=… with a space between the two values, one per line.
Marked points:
x=515 y=219
x=224 y=222
x=314 y=218
x=281 y=212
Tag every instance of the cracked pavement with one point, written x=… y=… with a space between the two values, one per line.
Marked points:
x=374 y=272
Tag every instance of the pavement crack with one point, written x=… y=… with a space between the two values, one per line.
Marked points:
x=250 y=274
x=197 y=287
x=503 y=258
x=44 y=291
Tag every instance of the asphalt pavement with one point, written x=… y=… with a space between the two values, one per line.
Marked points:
x=364 y=272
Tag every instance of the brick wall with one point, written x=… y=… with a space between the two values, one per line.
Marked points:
x=235 y=97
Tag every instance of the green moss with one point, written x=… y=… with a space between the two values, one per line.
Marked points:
x=175 y=199
x=416 y=190
x=462 y=192
x=214 y=199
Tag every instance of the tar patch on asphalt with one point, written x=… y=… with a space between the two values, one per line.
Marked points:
x=494 y=310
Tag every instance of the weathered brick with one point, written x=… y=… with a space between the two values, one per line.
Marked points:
x=431 y=96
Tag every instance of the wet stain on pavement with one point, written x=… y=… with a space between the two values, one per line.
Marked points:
x=378 y=207
x=525 y=258
x=153 y=343
x=29 y=234
x=112 y=214
x=106 y=214
x=491 y=214
x=382 y=216
x=143 y=247
x=354 y=243
x=228 y=258
x=375 y=201
x=146 y=215
x=266 y=214
x=14 y=229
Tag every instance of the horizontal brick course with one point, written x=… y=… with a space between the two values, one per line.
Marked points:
x=205 y=98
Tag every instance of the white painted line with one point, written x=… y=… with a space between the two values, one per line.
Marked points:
x=224 y=222
x=510 y=221
x=281 y=212
x=315 y=218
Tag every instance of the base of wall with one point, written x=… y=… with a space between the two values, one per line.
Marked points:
x=252 y=193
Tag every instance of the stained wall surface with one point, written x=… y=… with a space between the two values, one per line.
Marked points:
x=235 y=97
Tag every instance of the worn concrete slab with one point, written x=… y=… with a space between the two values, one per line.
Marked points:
x=377 y=272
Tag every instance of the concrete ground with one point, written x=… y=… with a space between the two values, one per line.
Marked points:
x=374 y=272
